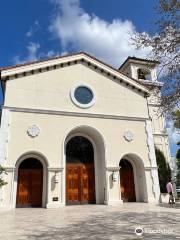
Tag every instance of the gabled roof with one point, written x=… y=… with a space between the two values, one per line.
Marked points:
x=139 y=60
x=48 y=64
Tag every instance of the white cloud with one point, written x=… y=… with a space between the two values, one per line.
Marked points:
x=80 y=31
x=32 y=54
x=29 y=33
x=33 y=29
x=174 y=134
x=50 y=53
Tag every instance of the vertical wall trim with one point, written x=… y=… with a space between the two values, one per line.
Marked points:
x=4 y=138
x=152 y=158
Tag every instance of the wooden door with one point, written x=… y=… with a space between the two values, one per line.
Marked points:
x=29 y=189
x=36 y=187
x=87 y=183
x=127 y=185
x=72 y=184
x=80 y=183
x=23 y=189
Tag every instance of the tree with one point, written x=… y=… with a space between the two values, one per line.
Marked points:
x=165 y=46
x=164 y=170
x=2 y=171
x=176 y=118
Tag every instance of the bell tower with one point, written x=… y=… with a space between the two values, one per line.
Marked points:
x=144 y=72
x=140 y=69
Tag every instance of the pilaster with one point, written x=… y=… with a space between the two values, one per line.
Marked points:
x=152 y=158
x=113 y=182
x=4 y=138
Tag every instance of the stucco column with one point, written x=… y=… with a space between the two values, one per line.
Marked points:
x=4 y=138
x=11 y=187
x=153 y=169
x=54 y=187
x=113 y=186
x=48 y=187
x=120 y=185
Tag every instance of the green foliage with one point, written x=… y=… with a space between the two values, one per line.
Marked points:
x=178 y=155
x=176 y=118
x=164 y=170
x=2 y=171
x=164 y=45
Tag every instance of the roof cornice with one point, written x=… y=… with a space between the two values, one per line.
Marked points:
x=63 y=61
x=147 y=62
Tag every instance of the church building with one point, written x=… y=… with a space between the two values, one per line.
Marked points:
x=75 y=130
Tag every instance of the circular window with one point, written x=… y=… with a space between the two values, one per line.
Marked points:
x=83 y=96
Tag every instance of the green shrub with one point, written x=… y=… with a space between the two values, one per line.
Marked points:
x=164 y=170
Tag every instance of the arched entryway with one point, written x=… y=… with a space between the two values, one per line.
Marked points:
x=30 y=183
x=127 y=181
x=80 y=171
x=132 y=179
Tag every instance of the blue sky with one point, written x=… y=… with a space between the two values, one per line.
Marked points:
x=19 y=17
x=34 y=29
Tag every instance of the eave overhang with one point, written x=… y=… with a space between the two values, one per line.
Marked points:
x=12 y=72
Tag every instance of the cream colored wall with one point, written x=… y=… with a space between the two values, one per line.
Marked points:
x=51 y=90
x=55 y=128
x=49 y=143
x=157 y=119
x=160 y=135
x=135 y=67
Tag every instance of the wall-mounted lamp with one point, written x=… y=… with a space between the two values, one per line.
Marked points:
x=56 y=177
x=114 y=176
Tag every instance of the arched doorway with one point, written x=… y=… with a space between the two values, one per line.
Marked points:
x=30 y=183
x=127 y=181
x=80 y=174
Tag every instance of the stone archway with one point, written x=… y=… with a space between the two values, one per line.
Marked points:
x=80 y=175
x=30 y=183
x=134 y=180
x=44 y=163
x=127 y=181
x=97 y=142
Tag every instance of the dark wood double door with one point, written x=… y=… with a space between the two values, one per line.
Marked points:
x=80 y=175
x=127 y=181
x=30 y=185
x=80 y=183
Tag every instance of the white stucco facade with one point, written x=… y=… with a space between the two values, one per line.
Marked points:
x=39 y=95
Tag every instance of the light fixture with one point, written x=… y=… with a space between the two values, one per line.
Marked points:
x=56 y=177
x=114 y=176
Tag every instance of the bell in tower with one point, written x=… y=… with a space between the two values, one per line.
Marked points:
x=140 y=69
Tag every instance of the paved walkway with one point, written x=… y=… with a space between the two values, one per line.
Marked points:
x=92 y=222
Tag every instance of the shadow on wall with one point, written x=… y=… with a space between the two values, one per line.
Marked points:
x=53 y=184
x=111 y=181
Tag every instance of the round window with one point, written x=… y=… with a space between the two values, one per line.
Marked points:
x=83 y=96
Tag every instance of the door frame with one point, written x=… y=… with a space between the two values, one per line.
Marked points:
x=44 y=163
x=79 y=134
x=79 y=202
x=30 y=181
x=134 y=177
